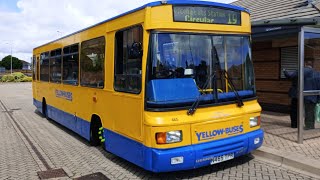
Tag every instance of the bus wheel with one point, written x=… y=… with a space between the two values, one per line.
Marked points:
x=44 y=109
x=96 y=131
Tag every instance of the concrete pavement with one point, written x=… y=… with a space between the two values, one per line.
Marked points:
x=280 y=144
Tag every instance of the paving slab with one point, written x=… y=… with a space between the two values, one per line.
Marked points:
x=280 y=136
x=280 y=144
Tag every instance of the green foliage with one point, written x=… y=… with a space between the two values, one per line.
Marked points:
x=7 y=78
x=6 y=62
x=16 y=77
x=26 y=79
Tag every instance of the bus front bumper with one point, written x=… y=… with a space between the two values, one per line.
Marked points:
x=204 y=154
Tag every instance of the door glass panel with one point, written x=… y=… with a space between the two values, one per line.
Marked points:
x=312 y=82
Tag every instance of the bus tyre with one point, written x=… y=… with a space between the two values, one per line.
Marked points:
x=94 y=134
x=45 y=109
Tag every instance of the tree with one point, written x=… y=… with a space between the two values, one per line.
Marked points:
x=6 y=62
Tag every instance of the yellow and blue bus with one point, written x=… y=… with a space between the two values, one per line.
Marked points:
x=167 y=86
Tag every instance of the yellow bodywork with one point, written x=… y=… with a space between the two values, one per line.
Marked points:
x=124 y=113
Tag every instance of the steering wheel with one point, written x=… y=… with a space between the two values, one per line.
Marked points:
x=165 y=73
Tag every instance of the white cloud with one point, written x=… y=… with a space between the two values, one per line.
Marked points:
x=41 y=21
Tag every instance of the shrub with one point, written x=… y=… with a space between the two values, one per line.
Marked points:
x=26 y=79
x=4 y=78
x=7 y=78
x=16 y=77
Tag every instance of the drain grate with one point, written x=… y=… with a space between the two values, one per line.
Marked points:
x=94 y=176
x=52 y=173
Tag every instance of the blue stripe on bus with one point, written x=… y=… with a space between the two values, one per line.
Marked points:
x=207 y=3
x=159 y=160
x=38 y=105
x=195 y=156
x=126 y=148
x=74 y=123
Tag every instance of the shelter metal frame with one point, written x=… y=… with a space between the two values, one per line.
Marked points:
x=301 y=92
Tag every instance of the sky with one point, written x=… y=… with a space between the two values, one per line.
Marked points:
x=26 y=24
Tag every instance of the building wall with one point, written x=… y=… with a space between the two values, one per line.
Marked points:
x=272 y=90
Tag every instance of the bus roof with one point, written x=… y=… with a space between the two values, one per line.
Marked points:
x=158 y=3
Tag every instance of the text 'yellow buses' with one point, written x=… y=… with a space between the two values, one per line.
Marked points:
x=167 y=86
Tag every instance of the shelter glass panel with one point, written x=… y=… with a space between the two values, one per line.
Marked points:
x=311 y=83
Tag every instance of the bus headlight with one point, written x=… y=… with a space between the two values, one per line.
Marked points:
x=169 y=137
x=255 y=121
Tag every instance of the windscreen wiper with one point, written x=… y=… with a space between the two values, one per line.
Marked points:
x=215 y=60
x=239 y=99
x=195 y=104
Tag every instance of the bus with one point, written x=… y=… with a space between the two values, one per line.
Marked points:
x=167 y=86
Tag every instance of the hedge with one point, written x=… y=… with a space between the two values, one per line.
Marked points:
x=16 y=77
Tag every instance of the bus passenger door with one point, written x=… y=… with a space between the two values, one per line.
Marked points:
x=127 y=115
x=128 y=101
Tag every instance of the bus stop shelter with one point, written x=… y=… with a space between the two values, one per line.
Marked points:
x=294 y=41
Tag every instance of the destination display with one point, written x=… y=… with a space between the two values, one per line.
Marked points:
x=209 y=15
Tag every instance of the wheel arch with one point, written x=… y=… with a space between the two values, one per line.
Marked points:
x=95 y=136
x=44 y=107
x=95 y=118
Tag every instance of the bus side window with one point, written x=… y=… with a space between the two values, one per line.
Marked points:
x=92 y=63
x=38 y=68
x=70 y=65
x=44 y=67
x=128 y=60
x=55 y=66
x=34 y=67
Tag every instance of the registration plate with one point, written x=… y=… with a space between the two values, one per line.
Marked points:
x=222 y=158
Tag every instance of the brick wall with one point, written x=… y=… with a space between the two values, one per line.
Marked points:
x=272 y=90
